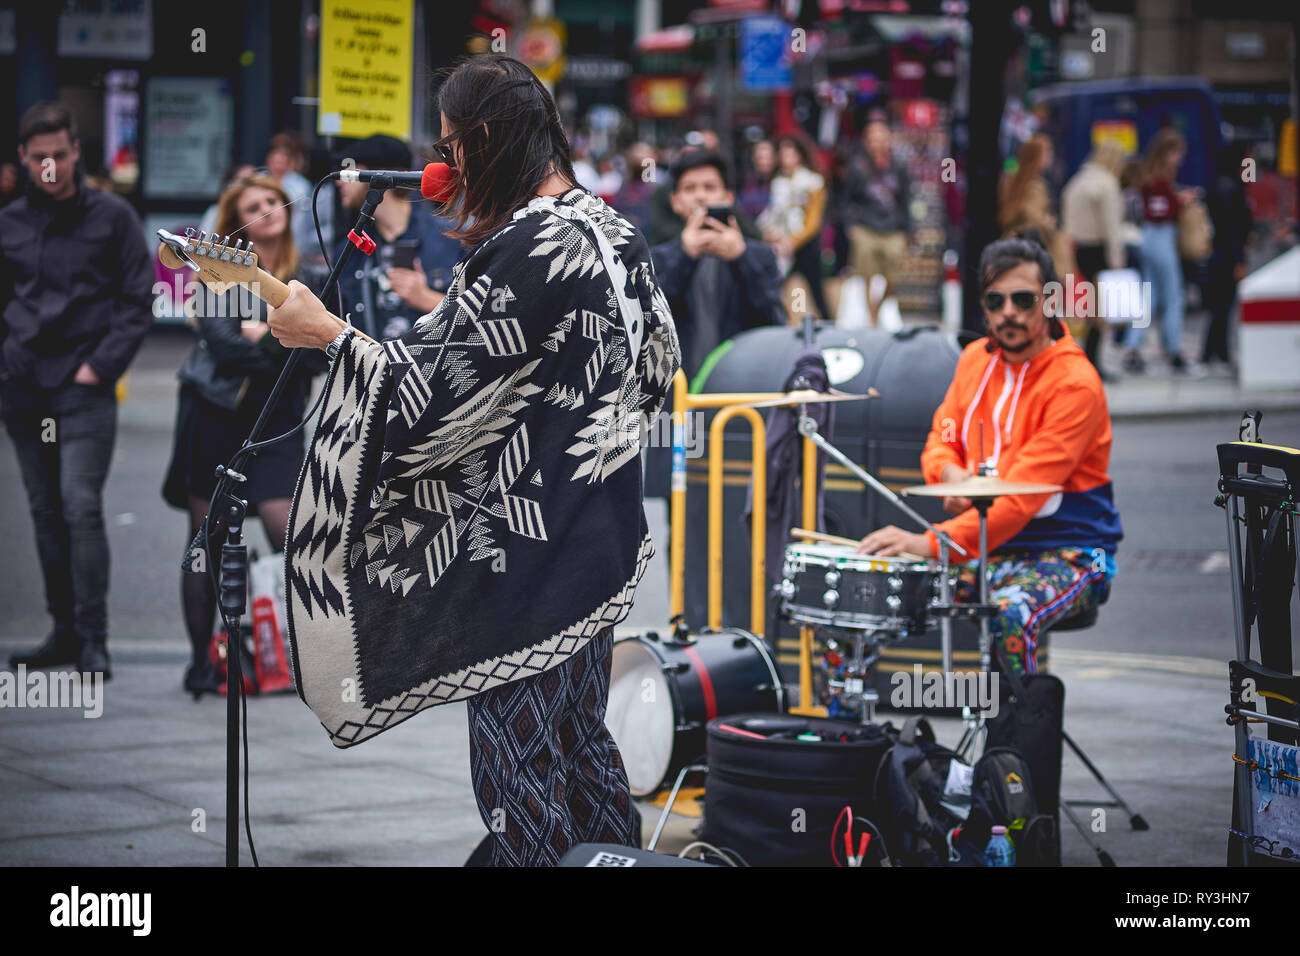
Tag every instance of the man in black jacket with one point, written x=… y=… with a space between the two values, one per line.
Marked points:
x=718 y=281
x=76 y=283
x=719 y=278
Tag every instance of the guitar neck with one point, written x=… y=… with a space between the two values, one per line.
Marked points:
x=220 y=266
x=273 y=292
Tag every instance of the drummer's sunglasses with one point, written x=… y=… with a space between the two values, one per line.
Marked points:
x=1022 y=300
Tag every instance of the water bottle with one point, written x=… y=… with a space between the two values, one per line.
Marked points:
x=999 y=851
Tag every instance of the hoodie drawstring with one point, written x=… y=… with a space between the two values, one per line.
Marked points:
x=1011 y=415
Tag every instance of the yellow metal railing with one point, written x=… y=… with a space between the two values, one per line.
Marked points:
x=732 y=405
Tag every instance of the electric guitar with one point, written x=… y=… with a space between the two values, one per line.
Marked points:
x=220 y=265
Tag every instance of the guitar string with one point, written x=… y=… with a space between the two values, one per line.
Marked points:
x=232 y=235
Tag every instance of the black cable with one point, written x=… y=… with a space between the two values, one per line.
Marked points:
x=248 y=818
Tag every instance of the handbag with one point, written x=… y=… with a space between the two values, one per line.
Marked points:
x=1194 y=231
x=266 y=592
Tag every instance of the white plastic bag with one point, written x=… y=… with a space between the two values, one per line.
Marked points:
x=1122 y=298
x=852 y=312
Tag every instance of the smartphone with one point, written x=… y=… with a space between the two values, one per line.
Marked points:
x=404 y=253
x=721 y=213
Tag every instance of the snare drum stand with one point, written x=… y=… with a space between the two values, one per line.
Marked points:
x=808 y=429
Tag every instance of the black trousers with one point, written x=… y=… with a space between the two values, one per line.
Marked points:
x=547 y=774
x=1220 y=292
x=64 y=442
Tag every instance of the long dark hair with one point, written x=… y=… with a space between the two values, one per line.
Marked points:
x=502 y=165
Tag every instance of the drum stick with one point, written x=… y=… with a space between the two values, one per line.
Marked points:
x=848 y=542
x=823 y=537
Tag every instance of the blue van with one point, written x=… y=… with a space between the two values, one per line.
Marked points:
x=1133 y=110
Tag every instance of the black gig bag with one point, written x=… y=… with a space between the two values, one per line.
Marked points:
x=774 y=798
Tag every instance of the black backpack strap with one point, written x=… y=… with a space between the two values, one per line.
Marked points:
x=916 y=728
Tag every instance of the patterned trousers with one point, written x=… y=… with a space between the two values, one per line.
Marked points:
x=1034 y=590
x=547 y=774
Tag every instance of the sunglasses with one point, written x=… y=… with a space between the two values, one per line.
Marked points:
x=1022 y=300
x=444 y=153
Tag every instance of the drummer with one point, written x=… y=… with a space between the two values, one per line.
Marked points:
x=1044 y=417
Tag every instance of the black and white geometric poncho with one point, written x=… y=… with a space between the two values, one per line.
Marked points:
x=469 y=511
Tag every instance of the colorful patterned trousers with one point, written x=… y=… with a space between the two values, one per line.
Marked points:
x=547 y=774
x=1034 y=589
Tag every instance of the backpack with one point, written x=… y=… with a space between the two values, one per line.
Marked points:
x=923 y=794
x=1002 y=794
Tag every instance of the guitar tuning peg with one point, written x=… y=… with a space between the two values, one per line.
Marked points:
x=236 y=256
x=225 y=249
x=189 y=232
x=248 y=253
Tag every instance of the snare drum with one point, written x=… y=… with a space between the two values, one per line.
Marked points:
x=831 y=586
x=663 y=693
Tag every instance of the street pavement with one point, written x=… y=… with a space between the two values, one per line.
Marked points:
x=144 y=783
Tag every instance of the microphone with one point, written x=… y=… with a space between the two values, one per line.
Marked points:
x=436 y=182
x=393 y=178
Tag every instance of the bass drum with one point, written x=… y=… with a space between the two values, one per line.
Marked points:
x=663 y=693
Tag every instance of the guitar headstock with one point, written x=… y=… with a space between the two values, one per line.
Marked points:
x=219 y=262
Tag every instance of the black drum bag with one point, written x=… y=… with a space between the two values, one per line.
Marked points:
x=775 y=800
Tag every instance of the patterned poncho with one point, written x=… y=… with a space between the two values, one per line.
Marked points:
x=469 y=511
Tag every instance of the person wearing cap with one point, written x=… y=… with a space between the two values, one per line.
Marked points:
x=381 y=295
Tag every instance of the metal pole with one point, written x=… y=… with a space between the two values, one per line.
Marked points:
x=808 y=428
x=945 y=598
x=982 y=506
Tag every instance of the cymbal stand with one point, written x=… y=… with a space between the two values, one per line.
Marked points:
x=976 y=732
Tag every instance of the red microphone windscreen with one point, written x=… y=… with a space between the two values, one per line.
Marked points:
x=438 y=184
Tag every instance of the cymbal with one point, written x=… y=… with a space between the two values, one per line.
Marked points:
x=806 y=396
x=980 y=486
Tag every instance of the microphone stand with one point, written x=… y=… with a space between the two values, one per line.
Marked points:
x=232 y=590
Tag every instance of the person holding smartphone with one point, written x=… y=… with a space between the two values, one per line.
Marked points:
x=408 y=273
x=718 y=281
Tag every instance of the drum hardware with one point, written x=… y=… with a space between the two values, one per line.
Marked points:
x=981 y=488
x=852 y=686
x=672 y=798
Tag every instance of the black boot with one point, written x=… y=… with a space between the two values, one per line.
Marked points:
x=202 y=679
x=94 y=658
x=61 y=647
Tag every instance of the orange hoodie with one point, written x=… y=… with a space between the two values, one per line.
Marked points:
x=1044 y=421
